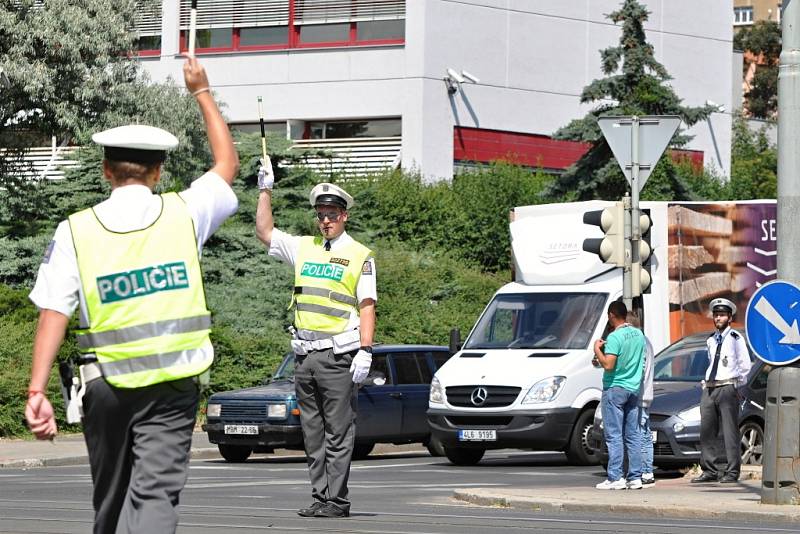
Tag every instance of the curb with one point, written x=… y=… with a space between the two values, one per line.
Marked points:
x=26 y=463
x=670 y=510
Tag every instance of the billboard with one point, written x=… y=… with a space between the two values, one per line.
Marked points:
x=717 y=250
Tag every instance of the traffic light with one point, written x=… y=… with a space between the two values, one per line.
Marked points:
x=611 y=220
x=640 y=272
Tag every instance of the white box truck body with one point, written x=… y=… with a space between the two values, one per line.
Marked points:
x=524 y=378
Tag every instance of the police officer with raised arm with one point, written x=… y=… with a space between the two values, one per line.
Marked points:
x=728 y=368
x=334 y=303
x=131 y=265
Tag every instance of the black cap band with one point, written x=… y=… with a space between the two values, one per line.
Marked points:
x=135 y=155
x=331 y=199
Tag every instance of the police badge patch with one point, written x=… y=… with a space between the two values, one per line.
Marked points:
x=49 y=251
x=367 y=268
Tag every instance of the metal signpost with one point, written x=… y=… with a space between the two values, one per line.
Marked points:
x=637 y=144
x=780 y=482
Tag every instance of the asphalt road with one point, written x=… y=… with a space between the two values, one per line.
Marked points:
x=391 y=493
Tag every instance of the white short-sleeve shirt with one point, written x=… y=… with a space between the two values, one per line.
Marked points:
x=285 y=247
x=210 y=200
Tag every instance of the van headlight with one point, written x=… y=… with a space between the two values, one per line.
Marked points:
x=213 y=410
x=544 y=390
x=437 y=393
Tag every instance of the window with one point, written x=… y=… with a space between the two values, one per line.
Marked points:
x=230 y=25
x=686 y=364
x=148 y=27
x=351 y=129
x=538 y=321
x=380 y=368
x=742 y=15
x=440 y=358
x=407 y=367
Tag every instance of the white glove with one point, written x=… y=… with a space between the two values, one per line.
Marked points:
x=360 y=366
x=266 y=178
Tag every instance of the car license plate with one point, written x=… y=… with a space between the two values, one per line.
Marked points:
x=241 y=429
x=477 y=435
x=655 y=435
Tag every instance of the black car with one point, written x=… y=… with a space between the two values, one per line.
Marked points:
x=675 y=411
x=392 y=403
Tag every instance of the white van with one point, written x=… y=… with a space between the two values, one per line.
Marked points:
x=524 y=377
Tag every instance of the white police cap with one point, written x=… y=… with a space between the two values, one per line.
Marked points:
x=722 y=303
x=136 y=142
x=326 y=193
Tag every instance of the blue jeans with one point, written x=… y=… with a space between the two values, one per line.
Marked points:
x=647 y=440
x=620 y=409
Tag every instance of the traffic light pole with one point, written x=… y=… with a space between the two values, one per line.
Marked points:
x=779 y=483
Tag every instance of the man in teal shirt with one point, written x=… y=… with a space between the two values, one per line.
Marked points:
x=622 y=358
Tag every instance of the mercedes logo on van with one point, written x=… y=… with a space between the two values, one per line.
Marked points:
x=479 y=396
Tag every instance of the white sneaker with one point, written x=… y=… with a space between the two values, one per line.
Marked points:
x=648 y=481
x=636 y=483
x=612 y=485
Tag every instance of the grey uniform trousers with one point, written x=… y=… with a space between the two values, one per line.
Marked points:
x=138 y=442
x=719 y=414
x=327 y=400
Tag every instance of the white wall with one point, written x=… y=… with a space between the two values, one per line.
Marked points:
x=533 y=58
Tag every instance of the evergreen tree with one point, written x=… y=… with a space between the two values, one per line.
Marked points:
x=635 y=84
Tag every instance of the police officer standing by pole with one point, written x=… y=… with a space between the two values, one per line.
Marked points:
x=728 y=368
x=131 y=264
x=334 y=301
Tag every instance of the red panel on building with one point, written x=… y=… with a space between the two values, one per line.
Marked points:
x=532 y=150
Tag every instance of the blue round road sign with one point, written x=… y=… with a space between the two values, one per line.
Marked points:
x=772 y=323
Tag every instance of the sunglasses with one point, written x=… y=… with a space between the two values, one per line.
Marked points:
x=332 y=216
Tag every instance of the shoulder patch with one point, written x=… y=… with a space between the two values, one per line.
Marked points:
x=712 y=334
x=734 y=334
x=49 y=251
x=366 y=268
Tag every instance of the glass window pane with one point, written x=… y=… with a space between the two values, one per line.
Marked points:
x=268 y=35
x=215 y=38
x=149 y=42
x=440 y=358
x=325 y=33
x=380 y=368
x=368 y=128
x=407 y=370
x=369 y=30
x=422 y=362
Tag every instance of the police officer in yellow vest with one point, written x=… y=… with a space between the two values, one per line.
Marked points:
x=131 y=264
x=334 y=302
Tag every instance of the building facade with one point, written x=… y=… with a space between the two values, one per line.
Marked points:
x=748 y=12
x=448 y=81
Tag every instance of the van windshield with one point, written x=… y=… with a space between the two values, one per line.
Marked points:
x=538 y=321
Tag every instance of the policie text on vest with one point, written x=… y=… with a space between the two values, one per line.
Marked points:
x=141 y=282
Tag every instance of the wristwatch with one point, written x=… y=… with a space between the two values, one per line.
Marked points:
x=366 y=348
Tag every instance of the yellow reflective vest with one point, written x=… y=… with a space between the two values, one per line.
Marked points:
x=143 y=309
x=325 y=284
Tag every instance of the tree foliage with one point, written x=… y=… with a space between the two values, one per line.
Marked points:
x=635 y=84
x=761 y=43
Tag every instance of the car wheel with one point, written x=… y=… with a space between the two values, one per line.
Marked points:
x=752 y=444
x=235 y=453
x=459 y=456
x=579 y=451
x=435 y=447
x=362 y=450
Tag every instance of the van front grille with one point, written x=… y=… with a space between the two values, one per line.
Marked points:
x=495 y=396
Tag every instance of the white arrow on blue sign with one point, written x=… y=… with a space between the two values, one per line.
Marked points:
x=771 y=322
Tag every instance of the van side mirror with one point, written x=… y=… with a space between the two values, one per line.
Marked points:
x=455 y=340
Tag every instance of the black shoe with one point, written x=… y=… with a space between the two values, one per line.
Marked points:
x=331 y=510
x=705 y=477
x=311 y=510
x=729 y=479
